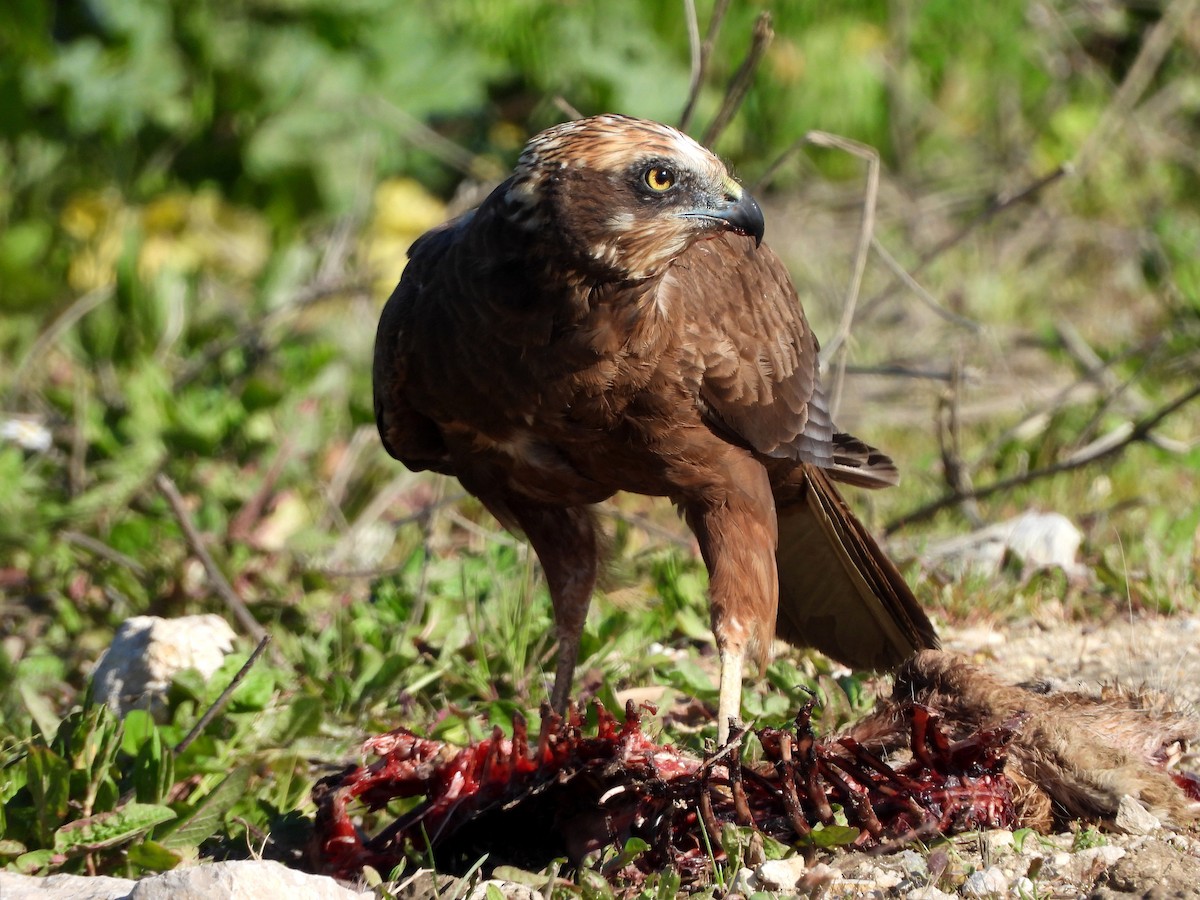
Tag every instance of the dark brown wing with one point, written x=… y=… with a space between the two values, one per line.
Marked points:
x=758 y=359
x=409 y=436
x=757 y=355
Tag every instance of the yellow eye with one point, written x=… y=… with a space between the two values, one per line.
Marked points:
x=660 y=179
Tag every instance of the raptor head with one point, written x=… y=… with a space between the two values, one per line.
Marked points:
x=623 y=196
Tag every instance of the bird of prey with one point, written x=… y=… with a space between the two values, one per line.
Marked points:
x=607 y=320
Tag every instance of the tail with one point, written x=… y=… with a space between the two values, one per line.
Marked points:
x=838 y=591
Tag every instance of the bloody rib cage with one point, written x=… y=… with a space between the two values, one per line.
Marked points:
x=570 y=794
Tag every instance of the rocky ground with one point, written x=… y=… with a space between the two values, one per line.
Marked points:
x=1143 y=858
x=1147 y=860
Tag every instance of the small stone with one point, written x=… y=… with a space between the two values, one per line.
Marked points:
x=989 y=882
x=912 y=863
x=510 y=890
x=1133 y=818
x=928 y=892
x=997 y=842
x=148 y=651
x=886 y=878
x=744 y=882
x=782 y=874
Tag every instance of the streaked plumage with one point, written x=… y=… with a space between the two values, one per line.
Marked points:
x=607 y=320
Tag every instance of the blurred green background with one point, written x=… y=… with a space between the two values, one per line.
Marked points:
x=204 y=204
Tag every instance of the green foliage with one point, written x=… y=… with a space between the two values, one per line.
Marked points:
x=64 y=799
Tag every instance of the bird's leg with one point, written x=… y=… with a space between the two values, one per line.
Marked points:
x=729 y=703
x=734 y=523
x=564 y=540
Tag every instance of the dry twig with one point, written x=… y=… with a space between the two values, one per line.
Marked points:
x=994 y=208
x=221 y=701
x=220 y=583
x=701 y=53
x=1150 y=57
x=1109 y=445
x=735 y=93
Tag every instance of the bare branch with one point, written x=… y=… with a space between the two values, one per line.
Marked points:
x=949 y=434
x=101 y=549
x=740 y=83
x=219 y=582
x=421 y=136
x=871 y=156
x=678 y=538
x=915 y=286
x=567 y=108
x=697 y=62
x=221 y=701
x=998 y=205
x=865 y=234
x=1109 y=445
x=701 y=53
x=1150 y=57
x=72 y=314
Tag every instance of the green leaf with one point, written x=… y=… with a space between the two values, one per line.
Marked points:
x=494 y=893
x=773 y=849
x=520 y=876
x=15 y=778
x=36 y=861
x=39 y=710
x=139 y=726
x=687 y=676
x=111 y=828
x=828 y=836
x=303 y=719
x=209 y=814
x=669 y=883
x=49 y=781
x=595 y=886
x=153 y=772
x=153 y=856
x=255 y=691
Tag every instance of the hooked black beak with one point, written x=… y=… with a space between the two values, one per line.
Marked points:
x=744 y=217
x=738 y=213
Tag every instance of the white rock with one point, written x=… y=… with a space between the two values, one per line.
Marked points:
x=912 y=862
x=989 y=882
x=744 y=882
x=782 y=874
x=997 y=842
x=1086 y=865
x=1133 y=818
x=244 y=879
x=235 y=880
x=929 y=892
x=147 y=652
x=1038 y=540
x=1023 y=887
x=886 y=878
x=63 y=887
x=510 y=890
